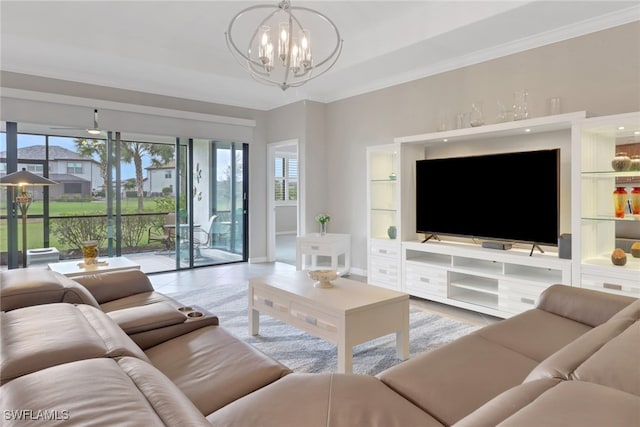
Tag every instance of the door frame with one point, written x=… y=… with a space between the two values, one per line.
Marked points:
x=272 y=149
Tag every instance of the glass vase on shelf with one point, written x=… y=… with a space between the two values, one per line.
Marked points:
x=520 y=107
x=635 y=201
x=619 y=201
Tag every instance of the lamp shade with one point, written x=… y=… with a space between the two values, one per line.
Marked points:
x=24 y=177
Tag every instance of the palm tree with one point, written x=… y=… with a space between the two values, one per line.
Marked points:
x=135 y=151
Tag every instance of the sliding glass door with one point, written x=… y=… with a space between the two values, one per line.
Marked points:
x=167 y=203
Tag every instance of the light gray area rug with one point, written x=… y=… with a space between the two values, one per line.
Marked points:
x=303 y=352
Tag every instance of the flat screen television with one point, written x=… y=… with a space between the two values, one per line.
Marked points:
x=508 y=197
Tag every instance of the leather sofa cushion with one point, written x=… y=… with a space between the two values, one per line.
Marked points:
x=454 y=380
x=214 y=368
x=616 y=364
x=577 y=403
x=506 y=404
x=320 y=400
x=27 y=286
x=147 y=317
x=114 y=285
x=100 y=392
x=535 y=333
x=563 y=363
x=38 y=337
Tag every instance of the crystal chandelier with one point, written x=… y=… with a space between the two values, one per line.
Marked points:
x=279 y=50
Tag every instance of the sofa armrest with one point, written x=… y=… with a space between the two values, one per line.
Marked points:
x=110 y=286
x=195 y=318
x=582 y=305
x=134 y=320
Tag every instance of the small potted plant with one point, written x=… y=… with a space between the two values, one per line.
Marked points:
x=323 y=219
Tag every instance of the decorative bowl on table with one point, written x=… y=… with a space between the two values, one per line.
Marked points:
x=323 y=278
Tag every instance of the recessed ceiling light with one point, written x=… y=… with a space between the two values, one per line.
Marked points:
x=636 y=132
x=445 y=140
x=527 y=130
x=620 y=127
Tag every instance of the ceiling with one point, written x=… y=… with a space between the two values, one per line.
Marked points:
x=178 y=48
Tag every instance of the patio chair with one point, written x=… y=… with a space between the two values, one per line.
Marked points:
x=164 y=233
x=203 y=236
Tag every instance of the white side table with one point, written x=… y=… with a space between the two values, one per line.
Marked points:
x=331 y=244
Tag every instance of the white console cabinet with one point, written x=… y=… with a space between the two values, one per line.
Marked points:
x=495 y=282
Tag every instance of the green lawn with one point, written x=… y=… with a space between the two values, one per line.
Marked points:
x=57 y=208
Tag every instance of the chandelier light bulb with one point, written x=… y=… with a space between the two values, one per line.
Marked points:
x=296 y=63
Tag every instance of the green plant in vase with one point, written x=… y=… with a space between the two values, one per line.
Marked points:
x=323 y=219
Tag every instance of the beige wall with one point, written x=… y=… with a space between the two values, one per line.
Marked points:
x=598 y=73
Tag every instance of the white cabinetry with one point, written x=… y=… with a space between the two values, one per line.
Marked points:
x=383 y=215
x=594 y=223
x=390 y=209
x=499 y=283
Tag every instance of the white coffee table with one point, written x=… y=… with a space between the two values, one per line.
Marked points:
x=350 y=313
x=76 y=268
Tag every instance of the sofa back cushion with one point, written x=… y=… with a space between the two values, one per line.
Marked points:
x=26 y=287
x=586 y=306
x=34 y=338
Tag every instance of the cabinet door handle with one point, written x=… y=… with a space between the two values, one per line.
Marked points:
x=382 y=251
x=612 y=286
x=425 y=280
x=315 y=248
x=527 y=300
x=382 y=271
x=310 y=320
x=268 y=303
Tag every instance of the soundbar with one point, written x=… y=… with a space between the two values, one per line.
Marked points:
x=497 y=245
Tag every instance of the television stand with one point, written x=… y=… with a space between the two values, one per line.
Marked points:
x=431 y=236
x=533 y=246
x=465 y=275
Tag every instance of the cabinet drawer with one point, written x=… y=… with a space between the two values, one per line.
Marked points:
x=315 y=322
x=381 y=249
x=426 y=279
x=516 y=297
x=315 y=248
x=384 y=271
x=615 y=285
x=267 y=302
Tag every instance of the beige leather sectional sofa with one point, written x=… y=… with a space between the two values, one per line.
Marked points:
x=110 y=351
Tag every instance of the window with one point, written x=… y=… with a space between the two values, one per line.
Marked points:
x=72 y=188
x=286 y=177
x=74 y=167
x=35 y=168
x=167 y=174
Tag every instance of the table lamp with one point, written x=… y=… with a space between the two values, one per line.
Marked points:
x=23 y=199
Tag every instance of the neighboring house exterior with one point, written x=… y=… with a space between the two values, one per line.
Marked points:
x=158 y=178
x=76 y=175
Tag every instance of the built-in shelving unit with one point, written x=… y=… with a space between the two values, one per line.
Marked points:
x=503 y=283
x=595 y=144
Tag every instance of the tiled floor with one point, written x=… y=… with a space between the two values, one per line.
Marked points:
x=234 y=273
